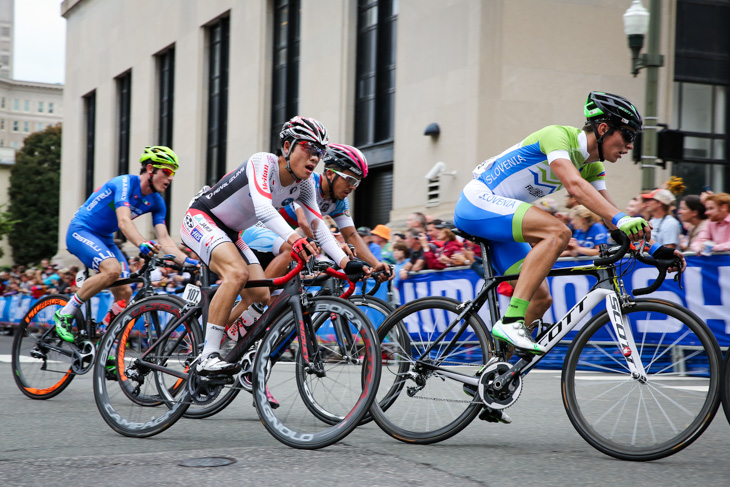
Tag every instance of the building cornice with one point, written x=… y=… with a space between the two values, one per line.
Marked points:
x=68 y=5
x=14 y=83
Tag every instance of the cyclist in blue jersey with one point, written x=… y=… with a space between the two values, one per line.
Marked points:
x=90 y=235
x=344 y=168
x=496 y=205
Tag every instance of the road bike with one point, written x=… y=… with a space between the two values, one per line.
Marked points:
x=315 y=354
x=43 y=364
x=374 y=308
x=640 y=380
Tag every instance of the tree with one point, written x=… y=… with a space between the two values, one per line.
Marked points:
x=34 y=196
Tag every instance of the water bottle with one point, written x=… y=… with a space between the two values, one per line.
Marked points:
x=244 y=322
x=116 y=308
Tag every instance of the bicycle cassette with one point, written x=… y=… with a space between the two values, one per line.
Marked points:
x=503 y=398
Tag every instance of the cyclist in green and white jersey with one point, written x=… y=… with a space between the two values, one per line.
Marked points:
x=496 y=204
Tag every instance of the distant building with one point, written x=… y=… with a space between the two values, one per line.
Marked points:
x=25 y=107
x=7 y=24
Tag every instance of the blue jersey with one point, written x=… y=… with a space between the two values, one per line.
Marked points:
x=597 y=234
x=339 y=211
x=99 y=213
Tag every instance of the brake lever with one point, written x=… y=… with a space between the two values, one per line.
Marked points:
x=678 y=276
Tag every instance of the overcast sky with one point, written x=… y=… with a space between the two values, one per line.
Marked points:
x=40 y=41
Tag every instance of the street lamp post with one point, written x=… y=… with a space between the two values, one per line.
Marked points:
x=638 y=22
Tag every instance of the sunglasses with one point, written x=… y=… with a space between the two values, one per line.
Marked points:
x=350 y=180
x=165 y=170
x=628 y=135
x=312 y=149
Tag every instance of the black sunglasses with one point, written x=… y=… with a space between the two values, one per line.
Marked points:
x=628 y=135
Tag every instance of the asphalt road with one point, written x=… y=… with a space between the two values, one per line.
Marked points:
x=64 y=441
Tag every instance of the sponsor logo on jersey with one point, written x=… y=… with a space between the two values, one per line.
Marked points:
x=536 y=192
x=125 y=187
x=503 y=166
x=96 y=200
x=266 y=186
x=498 y=200
x=196 y=234
x=287 y=202
x=86 y=241
x=346 y=212
x=189 y=222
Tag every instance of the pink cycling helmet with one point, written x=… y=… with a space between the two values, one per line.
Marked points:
x=346 y=157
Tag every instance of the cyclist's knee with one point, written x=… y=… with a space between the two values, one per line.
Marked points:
x=235 y=275
x=110 y=270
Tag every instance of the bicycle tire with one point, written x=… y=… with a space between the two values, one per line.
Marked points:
x=138 y=401
x=41 y=361
x=376 y=310
x=725 y=390
x=346 y=388
x=420 y=403
x=635 y=420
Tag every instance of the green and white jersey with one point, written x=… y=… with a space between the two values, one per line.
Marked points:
x=523 y=172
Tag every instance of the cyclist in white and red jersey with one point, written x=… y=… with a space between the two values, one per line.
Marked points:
x=344 y=169
x=496 y=205
x=256 y=191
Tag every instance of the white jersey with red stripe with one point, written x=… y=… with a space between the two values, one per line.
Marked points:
x=253 y=192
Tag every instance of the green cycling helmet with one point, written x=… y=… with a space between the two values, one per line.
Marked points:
x=159 y=154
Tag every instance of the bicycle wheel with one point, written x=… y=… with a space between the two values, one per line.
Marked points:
x=343 y=380
x=725 y=388
x=635 y=419
x=424 y=405
x=41 y=361
x=134 y=398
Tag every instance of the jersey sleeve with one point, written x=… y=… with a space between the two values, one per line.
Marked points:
x=554 y=143
x=594 y=173
x=308 y=202
x=258 y=170
x=159 y=210
x=122 y=187
x=341 y=214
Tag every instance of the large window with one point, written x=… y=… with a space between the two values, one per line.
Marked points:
x=218 y=41
x=702 y=85
x=124 y=105
x=90 y=141
x=285 y=79
x=375 y=107
x=375 y=91
x=166 y=77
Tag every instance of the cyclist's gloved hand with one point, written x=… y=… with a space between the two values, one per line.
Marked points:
x=190 y=261
x=354 y=270
x=149 y=247
x=630 y=225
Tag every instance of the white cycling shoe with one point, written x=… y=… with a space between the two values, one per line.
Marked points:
x=214 y=364
x=517 y=335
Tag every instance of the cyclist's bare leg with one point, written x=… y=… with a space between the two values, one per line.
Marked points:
x=109 y=272
x=122 y=292
x=549 y=237
x=227 y=263
x=279 y=265
x=252 y=295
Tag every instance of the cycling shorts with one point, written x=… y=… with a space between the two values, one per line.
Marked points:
x=92 y=249
x=202 y=233
x=495 y=218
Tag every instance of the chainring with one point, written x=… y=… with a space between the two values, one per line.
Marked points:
x=498 y=399
x=203 y=390
x=83 y=357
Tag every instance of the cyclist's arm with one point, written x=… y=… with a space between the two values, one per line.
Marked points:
x=583 y=191
x=303 y=223
x=361 y=248
x=124 y=219
x=168 y=244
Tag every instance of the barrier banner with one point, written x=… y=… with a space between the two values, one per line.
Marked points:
x=706 y=292
x=14 y=308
